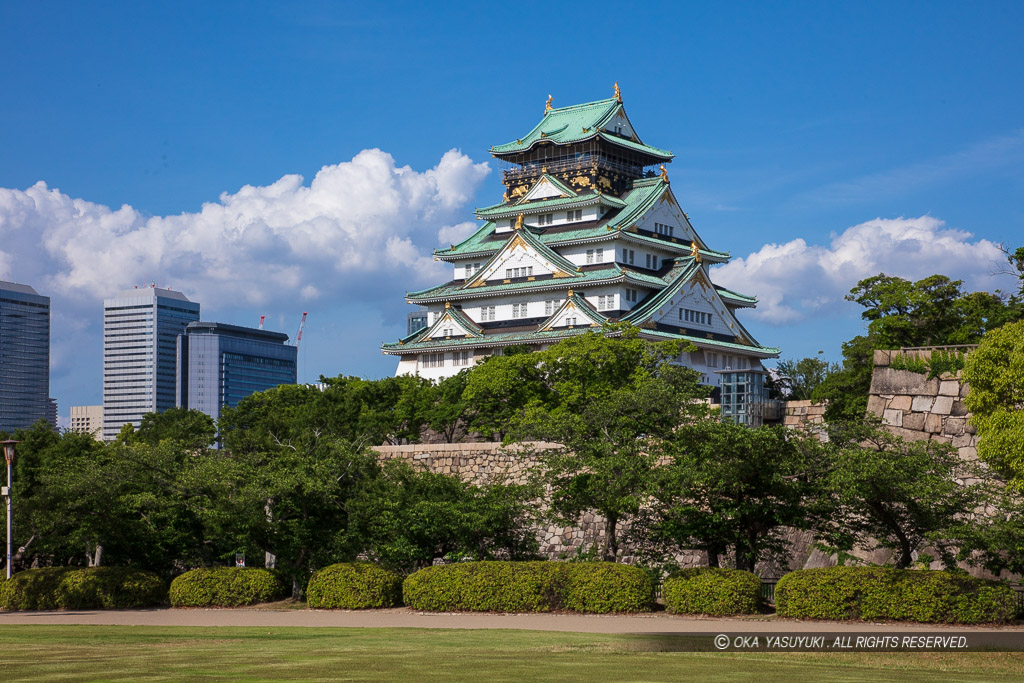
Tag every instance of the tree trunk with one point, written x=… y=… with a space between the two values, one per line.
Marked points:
x=611 y=541
x=713 y=559
x=97 y=558
x=296 y=589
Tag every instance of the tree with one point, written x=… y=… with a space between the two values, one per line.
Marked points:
x=801 y=377
x=995 y=373
x=885 y=492
x=290 y=500
x=846 y=390
x=406 y=519
x=446 y=409
x=193 y=429
x=608 y=398
x=730 y=487
x=499 y=389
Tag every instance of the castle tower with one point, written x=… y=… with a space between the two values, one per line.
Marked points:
x=588 y=232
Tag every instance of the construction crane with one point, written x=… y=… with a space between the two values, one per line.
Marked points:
x=302 y=324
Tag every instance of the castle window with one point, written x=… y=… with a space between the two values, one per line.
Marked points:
x=599 y=255
x=519 y=310
x=433 y=360
x=697 y=317
x=572 y=216
x=460 y=358
x=631 y=295
x=486 y=313
x=545 y=219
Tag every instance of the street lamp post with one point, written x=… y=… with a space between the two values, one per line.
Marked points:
x=9 y=494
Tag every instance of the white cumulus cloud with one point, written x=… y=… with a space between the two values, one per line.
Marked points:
x=361 y=232
x=796 y=280
x=356 y=219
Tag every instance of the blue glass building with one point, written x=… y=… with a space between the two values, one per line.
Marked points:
x=220 y=364
x=24 y=356
x=140 y=333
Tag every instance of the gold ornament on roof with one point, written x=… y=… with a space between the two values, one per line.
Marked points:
x=664 y=173
x=570 y=294
x=504 y=197
x=547 y=105
x=618 y=93
x=447 y=304
x=519 y=222
x=695 y=252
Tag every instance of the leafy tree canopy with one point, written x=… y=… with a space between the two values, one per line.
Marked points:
x=995 y=373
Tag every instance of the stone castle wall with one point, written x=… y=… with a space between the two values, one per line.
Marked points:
x=921 y=409
x=911 y=406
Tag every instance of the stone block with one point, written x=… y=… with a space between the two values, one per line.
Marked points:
x=889 y=381
x=908 y=434
x=913 y=421
x=962 y=440
x=939 y=438
x=899 y=403
x=968 y=453
x=949 y=388
x=876 y=405
x=954 y=426
x=893 y=418
x=881 y=357
x=933 y=423
x=922 y=404
x=942 y=405
x=958 y=409
x=964 y=390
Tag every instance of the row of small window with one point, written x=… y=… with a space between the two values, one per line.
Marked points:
x=629 y=257
x=472 y=268
x=728 y=362
x=662 y=229
x=698 y=317
x=595 y=255
x=437 y=360
x=525 y=271
x=570 y=217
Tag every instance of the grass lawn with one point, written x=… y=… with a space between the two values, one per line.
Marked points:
x=68 y=653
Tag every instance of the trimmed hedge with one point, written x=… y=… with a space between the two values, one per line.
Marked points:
x=82 y=588
x=870 y=593
x=227 y=587
x=354 y=585
x=599 y=587
x=712 y=590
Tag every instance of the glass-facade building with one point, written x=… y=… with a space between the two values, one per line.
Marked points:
x=140 y=333
x=220 y=364
x=24 y=356
x=743 y=396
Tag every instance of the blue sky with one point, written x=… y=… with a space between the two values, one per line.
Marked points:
x=817 y=142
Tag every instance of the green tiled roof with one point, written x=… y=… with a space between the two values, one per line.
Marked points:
x=554 y=335
x=576 y=123
x=554 y=257
x=582 y=305
x=500 y=339
x=736 y=296
x=680 y=273
x=636 y=201
x=458 y=290
x=505 y=210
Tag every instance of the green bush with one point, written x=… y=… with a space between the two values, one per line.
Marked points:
x=603 y=587
x=355 y=585
x=227 y=587
x=711 y=590
x=911 y=363
x=529 y=587
x=870 y=593
x=80 y=588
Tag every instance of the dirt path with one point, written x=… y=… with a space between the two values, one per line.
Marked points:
x=405 y=618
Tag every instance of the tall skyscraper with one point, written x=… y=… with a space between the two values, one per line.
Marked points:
x=140 y=333
x=219 y=364
x=24 y=356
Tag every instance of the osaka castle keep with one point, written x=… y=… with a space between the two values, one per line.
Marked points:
x=588 y=232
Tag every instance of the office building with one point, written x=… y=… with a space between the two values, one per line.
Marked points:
x=220 y=364
x=140 y=333
x=87 y=420
x=24 y=356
